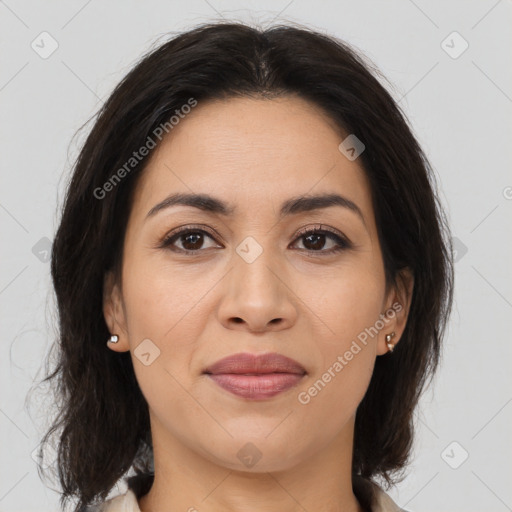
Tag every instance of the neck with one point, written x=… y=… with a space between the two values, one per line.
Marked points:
x=186 y=480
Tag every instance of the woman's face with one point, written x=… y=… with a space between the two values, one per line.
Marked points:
x=253 y=282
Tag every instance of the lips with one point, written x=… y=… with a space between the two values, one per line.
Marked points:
x=256 y=376
x=252 y=364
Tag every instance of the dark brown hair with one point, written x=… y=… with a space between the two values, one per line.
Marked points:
x=103 y=420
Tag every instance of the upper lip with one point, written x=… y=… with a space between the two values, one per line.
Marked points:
x=246 y=363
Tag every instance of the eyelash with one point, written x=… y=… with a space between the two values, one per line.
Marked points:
x=343 y=243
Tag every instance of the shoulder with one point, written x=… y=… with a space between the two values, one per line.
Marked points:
x=126 y=502
x=385 y=503
x=382 y=502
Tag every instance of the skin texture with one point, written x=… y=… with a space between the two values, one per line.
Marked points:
x=197 y=309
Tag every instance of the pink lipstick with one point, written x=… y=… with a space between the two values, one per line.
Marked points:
x=256 y=377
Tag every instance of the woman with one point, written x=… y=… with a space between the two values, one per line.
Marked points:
x=254 y=231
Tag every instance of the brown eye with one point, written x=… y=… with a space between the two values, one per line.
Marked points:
x=191 y=240
x=315 y=240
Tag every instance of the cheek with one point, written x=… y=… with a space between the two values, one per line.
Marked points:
x=164 y=305
x=161 y=298
x=169 y=306
x=332 y=393
x=346 y=302
x=345 y=345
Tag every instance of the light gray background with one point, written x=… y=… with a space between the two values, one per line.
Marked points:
x=460 y=109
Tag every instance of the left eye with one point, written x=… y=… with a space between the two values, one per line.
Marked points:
x=316 y=240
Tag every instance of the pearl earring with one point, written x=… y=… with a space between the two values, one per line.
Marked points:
x=113 y=339
x=390 y=345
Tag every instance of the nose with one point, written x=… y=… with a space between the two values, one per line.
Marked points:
x=256 y=296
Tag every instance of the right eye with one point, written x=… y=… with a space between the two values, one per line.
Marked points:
x=191 y=239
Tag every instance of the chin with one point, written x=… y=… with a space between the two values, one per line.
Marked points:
x=257 y=454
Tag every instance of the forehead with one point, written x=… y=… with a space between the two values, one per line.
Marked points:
x=253 y=153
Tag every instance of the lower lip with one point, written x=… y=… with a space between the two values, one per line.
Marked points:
x=256 y=387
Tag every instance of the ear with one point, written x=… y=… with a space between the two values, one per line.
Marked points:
x=396 y=310
x=114 y=313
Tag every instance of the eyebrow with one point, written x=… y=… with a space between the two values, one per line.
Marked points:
x=292 y=206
